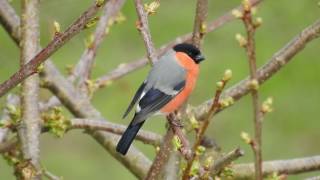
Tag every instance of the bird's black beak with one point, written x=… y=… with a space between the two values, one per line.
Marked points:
x=199 y=58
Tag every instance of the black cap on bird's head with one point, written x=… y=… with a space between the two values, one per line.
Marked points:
x=191 y=51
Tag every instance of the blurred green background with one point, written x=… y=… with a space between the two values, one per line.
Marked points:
x=292 y=130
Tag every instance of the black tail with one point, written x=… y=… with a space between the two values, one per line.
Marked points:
x=127 y=137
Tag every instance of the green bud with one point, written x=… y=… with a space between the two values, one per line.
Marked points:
x=176 y=142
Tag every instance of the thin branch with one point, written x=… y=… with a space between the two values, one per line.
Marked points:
x=125 y=69
x=85 y=64
x=251 y=53
x=277 y=62
x=58 y=41
x=199 y=22
x=92 y=124
x=29 y=128
x=225 y=160
x=203 y=127
x=291 y=166
x=143 y=27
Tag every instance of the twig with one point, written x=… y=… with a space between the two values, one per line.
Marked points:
x=85 y=64
x=291 y=166
x=29 y=128
x=143 y=27
x=225 y=160
x=251 y=53
x=91 y=124
x=200 y=133
x=58 y=41
x=199 y=27
x=125 y=69
x=277 y=62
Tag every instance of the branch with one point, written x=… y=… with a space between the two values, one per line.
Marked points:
x=125 y=69
x=251 y=54
x=143 y=27
x=85 y=64
x=278 y=61
x=29 y=128
x=225 y=160
x=292 y=166
x=91 y=124
x=58 y=41
x=199 y=22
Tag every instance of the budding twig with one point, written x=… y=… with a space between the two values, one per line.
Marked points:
x=200 y=27
x=251 y=53
x=200 y=133
x=143 y=27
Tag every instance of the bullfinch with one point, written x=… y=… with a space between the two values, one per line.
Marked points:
x=167 y=87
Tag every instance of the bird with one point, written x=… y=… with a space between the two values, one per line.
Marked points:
x=168 y=85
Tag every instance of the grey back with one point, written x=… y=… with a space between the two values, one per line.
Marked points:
x=166 y=74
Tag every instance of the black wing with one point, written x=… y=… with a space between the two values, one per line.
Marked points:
x=135 y=98
x=153 y=101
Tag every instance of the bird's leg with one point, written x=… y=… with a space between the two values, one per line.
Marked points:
x=173 y=121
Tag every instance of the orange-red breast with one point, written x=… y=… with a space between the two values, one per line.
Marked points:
x=167 y=87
